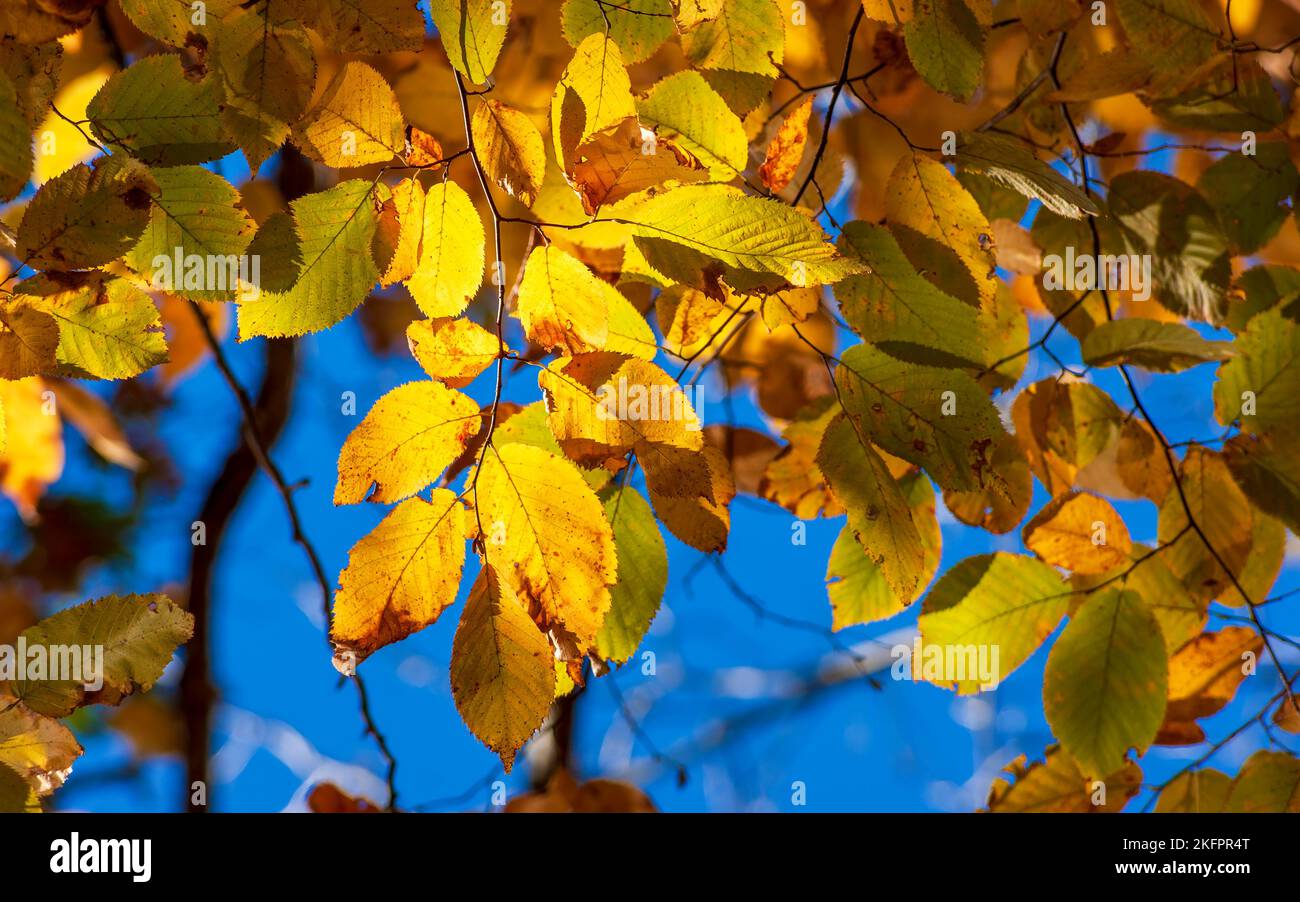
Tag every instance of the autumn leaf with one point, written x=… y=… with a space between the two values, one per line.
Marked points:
x=452 y=351
x=1079 y=532
x=511 y=150
x=547 y=535
x=406 y=440
x=138 y=633
x=786 y=150
x=401 y=576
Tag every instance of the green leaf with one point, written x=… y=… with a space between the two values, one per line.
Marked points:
x=879 y=516
x=1005 y=601
x=267 y=69
x=472 y=33
x=642 y=575
x=84 y=217
x=759 y=243
x=1176 y=36
x=1260 y=387
x=1268 y=782
x=333 y=229
x=108 y=328
x=905 y=315
x=1251 y=194
x=1180 y=613
x=138 y=635
x=154 y=112
x=946 y=44
x=1230 y=93
x=1264 y=287
x=196 y=214
x=1010 y=163
x=1156 y=346
x=936 y=418
x=1106 y=681
x=685 y=109
x=172 y=21
x=856 y=585
x=736 y=51
x=1268 y=471
x=638 y=27
x=1169 y=220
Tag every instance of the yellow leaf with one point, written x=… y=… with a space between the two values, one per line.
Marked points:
x=372 y=26
x=880 y=517
x=793 y=479
x=562 y=304
x=28 y=339
x=356 y=121
x=602 y=405
x=698 y=516
x=941 y=229
x=511 y=150
x=401 y=226
x=547 y=535
x=452 y=351
x=472 y=33
x=1056 y=785
x=786 y=150
x=739 y=49
x=450 y=270
x=401 y=576
x=502 y=677
x=409 y=437
x=1079 y=532
x=38 y=748
x=594 y=95
x=86 y=217
x=33 y=452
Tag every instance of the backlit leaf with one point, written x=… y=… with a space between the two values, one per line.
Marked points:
x=501 y=673
x=139 y=634
x=407 y=439
x=401 y=576
x=1105 y=683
